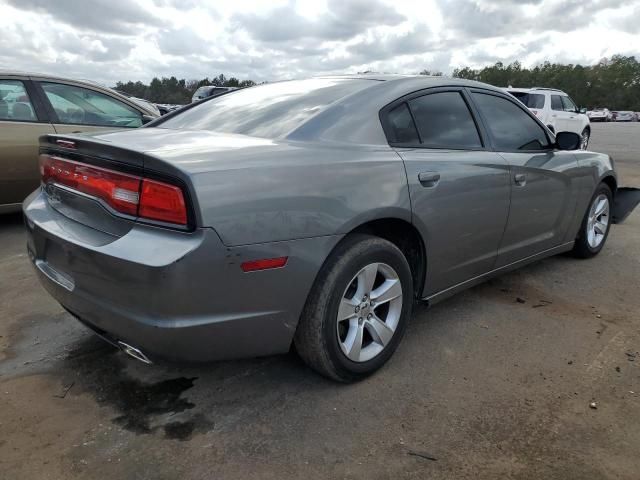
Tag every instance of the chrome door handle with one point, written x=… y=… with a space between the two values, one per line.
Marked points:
x=429 y=179
x=520 y=179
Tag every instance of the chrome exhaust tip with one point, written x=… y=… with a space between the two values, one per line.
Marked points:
x=134 y=352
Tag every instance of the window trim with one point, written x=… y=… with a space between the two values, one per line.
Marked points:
x=54 y=116
x=38 y=108
x=383 y=115
x=522 y=107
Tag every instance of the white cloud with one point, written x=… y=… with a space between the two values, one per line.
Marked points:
x=110 y=40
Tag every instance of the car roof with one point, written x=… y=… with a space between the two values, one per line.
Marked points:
x=534 y=89
x=88 y=83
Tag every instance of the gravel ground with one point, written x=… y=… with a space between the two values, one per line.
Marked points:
x=483 y=386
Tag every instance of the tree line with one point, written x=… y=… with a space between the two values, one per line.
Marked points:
x=173 y=91
x=612 y=83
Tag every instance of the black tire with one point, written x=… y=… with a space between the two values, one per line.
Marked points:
x=316 y=339
x=586 y=131
x=581 y=248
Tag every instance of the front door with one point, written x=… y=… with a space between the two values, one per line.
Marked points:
x=543 y=192
x=459 y=189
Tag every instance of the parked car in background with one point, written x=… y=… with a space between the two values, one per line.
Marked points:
x=141 y=101
x=165 y=108
x=313 y=212
x=600 y=114
x=626 y=116
x=32 y=105
x=210 y=91
x=556 y=110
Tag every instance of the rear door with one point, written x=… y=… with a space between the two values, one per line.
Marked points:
x=75 y=109
x=459 y=188
x=543 y=190
x=22 y=121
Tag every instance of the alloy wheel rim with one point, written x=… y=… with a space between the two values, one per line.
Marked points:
x=598 y=220
x=369 y=312
x=585 y=141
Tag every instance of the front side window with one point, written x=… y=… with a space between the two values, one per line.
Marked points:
x=568 y=105
x=510 y=126
x=14 y=102
x=556 y=103
x=81 y=106
x=444 y=121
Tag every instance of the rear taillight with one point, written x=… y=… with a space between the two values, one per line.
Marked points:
x=160 y=201
x=128 y=194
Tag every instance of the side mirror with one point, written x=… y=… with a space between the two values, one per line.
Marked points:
x=147 y=118
x=582 y=110
x=568 y=140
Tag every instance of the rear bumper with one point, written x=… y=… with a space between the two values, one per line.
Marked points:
x=173 y=295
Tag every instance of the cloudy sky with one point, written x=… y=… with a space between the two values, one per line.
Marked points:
x=109 y=40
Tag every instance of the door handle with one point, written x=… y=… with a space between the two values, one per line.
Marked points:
x=520 y=179
x=429 y=179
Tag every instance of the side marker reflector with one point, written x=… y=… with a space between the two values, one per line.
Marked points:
x=264 y=264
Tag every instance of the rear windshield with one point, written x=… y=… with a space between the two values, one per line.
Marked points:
x=531 y=100
x=268 y=111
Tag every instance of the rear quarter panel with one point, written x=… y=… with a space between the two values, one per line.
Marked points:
x=289 y=191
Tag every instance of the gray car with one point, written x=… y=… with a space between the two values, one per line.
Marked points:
x=312 y=212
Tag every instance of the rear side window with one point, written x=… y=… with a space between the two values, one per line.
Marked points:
x=556 y=103
x=511 y=127
x=14 y=102
x=444 y=121
x=401 y=126
x=531 y=100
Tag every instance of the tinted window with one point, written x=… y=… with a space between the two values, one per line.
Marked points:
x=81 y=106
x=401 y=126
x=568 y=104
x=510 y=126
x=14 y=102
x=531 y=100
x=556 y=102
x=444 y=121
x=269 y=110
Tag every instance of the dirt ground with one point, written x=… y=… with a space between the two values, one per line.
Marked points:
x=483 y=386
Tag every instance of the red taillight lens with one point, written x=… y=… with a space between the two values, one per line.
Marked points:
x=161 y=201
x=120 y=191
x=124 y=193
x=264 y=264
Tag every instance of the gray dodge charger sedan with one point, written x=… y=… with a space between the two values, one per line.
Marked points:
x=309 y=212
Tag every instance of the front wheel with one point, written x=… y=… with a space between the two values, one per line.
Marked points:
x=595 y=225
x=584 y=139
x=358 y=309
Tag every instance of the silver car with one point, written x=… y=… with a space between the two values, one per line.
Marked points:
x=313 y=212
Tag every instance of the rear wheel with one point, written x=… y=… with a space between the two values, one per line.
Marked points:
x=358 y=309
x=595 y=225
